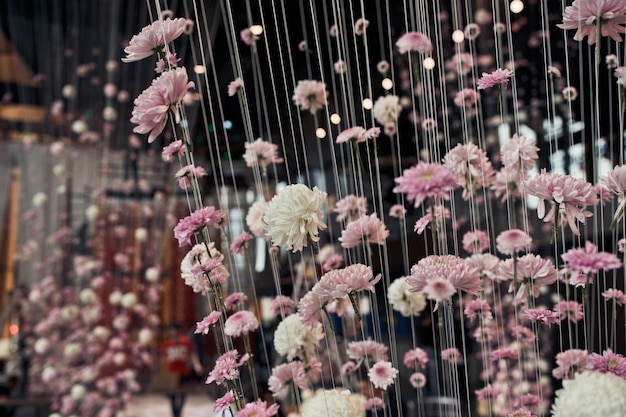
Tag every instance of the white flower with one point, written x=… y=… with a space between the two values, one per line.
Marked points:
x=101 y=333
x=292 y=337
x=197 y=257
x=403 y=301
x=254 y=218
x=48 y=374
x=115 y=298
x=293 y=215
x=141 y=234
x=152 y=274
x=40 y=199
x=145 y=336
x=129 y=300
x=71 y=350
x=88 y=296
x=42 y=345
x=78 y=392
x=69 y=313
x=387 y=109
x=591 y=394
x=333 y=403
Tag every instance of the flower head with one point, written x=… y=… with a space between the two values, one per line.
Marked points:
x=367 y=349
x=240 y=244
x=417 y=380
x=204 y=325
x=570 y=362
x=366 y=228
x=294 y=215
x=398 y=211
x=414 y=41
x=241 y=323
x=248 y=37
x=254 y=218
x=281 y=304
x=461 y=63
x=285 y=374
x=478 y=308
x=402 y=300
x=310 y=95
x=571 y=310
x=450 y=354
x=415 y=359
x=588 y=260
x=382 y=374
x=350 y=208
x=466 y=97
x=532 y=270
x=226 y=367
x=387 y=109
x=620 y=74
x=258 y=409
x=453 y=269
x=293 y=339
x=547 y=317
x=613 y=294
x=164 y=95
x=200 y=270
x=223 y=403
x=185 y=174
x=585 y=15
x=476 y=241
x=352 y=134
x=187 y=227
x=611 y=61
x=153 y=38
x=425 y=180
x=608 y=362
x=175 y=148
x=519 y=153
x=261 y=153
x=360 y=25
x=591 y=394
x=235 y=86
x=512 y=241
x=234 y=299
x=497 y=77
x=471 y=166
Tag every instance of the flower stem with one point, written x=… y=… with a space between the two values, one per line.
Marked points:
x=354 y=306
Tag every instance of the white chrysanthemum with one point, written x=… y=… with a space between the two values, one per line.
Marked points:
x=403 y=301
x=254 y=218
x=292 y=337
x=332 y=403
x=293 y=215
x=387 y=109
x=197 y=257
x=78 y=392
x=591 y=394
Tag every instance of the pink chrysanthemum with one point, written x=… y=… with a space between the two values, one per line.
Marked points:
x=417 y=380
x=352 y=134
x=254 y=218
x=201 y=271
x=153 y=105
x=425 y=180
x=153 y=38
x=521 y=412
x=608 y=362
x=507 y=183
x=570 y=195
x=471 y=166
x=547 y=317
x=226 y=367
x=281 y=301
x=333 y=262
x=512 y=241
x=570 y=362
x=466 y=97
x=415 y=359
x=235 y=86
x=441 y=213
x=585 y=15
x=176 y=148
x=310 y=95
x=248 y=37
x=461 y=63
x=241 y=323
x=338 y=283
x=240 y=244
x=204 y=325
x=476 y=241
x=360 y=25
x=487 y=393
x=486 y=264
x=571 y=310
x=187 y=227
x=497 y=77
x=284 y=375
x=615 y=181
x=554 y=71
x=258 y=409
x=223 y=403
x=368 y=229
x=620 y=74
x=438 y=289
x=398 y=211
x=184 y=174
x=588 y=260
x=613 y=294
x=519 y=153
x=504 y=353
x=350 y=208
x=414 y=41
x=261 y=153
x=478 y=308
x=310 y=308
x=367 y=351
x=374 y=404
x=234 y=299
x=450 y=354
x=611 y=61
x=532 y=270
x=523 y=334
x=382 y=374
x=372 y=133
x=451 y=268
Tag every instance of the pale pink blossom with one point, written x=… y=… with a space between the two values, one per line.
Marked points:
x=241 y=243
x=570 y=362
x=382 y=374
x=486 y=264
x=153 y=38
x=153 y=105
x=261 y=153
x=471 y=31
x=258 y=409
x=429 y=124
x=504 y=353
x=440 y=214
x=585 y=15
x=417 y=380
x=438 y=289
x=374 y=404
x=570 y=93
x=478 y=308
x=415 y=359
x=512 y=241
x=414 y=41
x=571 y=310
x=235 y=86
x=448 y=267
x=519 y=153
x=367 y=351
x=248 y=37
x=507 y=183
x=284 y=375
x=554 y=71
x=398 y=211
x=241 y=323
x=450 y=354
x=165 y=64
x=620 y=74
x=489 y=392
x=338 y=283
x=588 y=260
x=547 y=317
x=281 y=304
x=608 y=362
x=310 y=95
x=365 y=229
x=352 y=134
x=196 y=222
x=383 y=66
x=611 y=61
x=223 y=403
x=184 y=174
x=372 y=133
x=471 y=166
x=234 y=299
x=461 y=63
x=204 y=325
x=200 y=270
x=520 y=412
x=175 y=148
x=475 y=241
x=615 y=182
x=466 y=97
x=570 y=195
x=360 y=25
x=254 y=218
x=226 y=367
x=425 y=180
x=496 y=78
x=613 y=294
x=532 y=270
x=333 y=262
x=350 y=208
